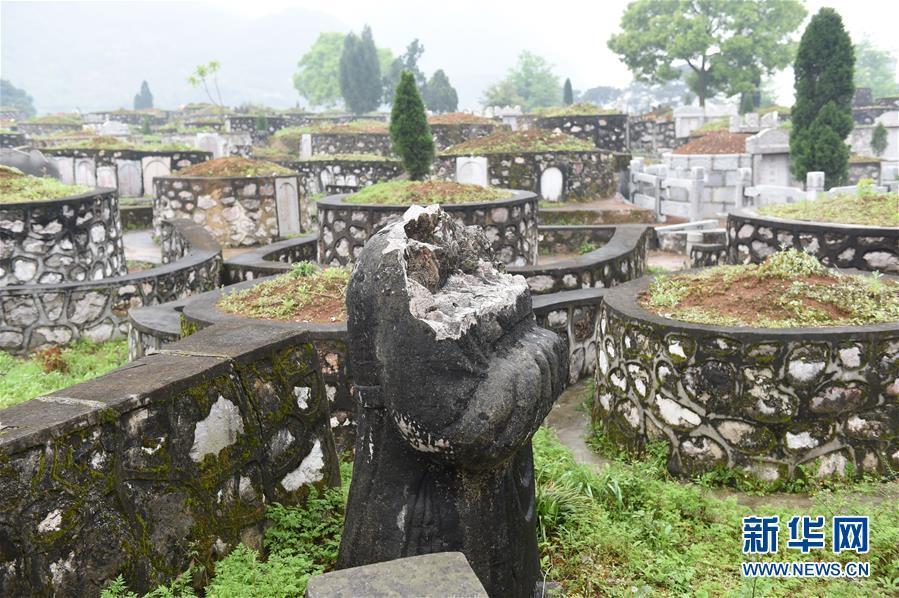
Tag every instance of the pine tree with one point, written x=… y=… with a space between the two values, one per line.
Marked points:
x=822 y=114
x=360 y=73
x=409 y=129
x=144 y=99
x=439 y=94
x=567 y=93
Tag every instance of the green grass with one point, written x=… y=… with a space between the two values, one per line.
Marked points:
x=718 y=124
x=627 y=530
x=22 y=379
x=56 y=119
x=425 y=193
x=866 y=208
x=300 y=542
x=103 y=142
x=789 y=289
x=17 y=187
x=511 y=142
x=291 y=296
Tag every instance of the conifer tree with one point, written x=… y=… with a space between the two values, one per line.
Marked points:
x=143 y=99
x=439 y=94
x=409 y=130
x=822 y=114
x=360 y=73
x=567 y=93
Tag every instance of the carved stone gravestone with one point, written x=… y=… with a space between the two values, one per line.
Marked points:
x=453 y=377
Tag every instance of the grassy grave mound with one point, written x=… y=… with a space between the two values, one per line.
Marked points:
x=458 y=118
x=48 y=370
x=234 y=167
x=715 y=142
x=305 y=294
x=790 y=289
x=512 y=142
x=866 y=208
x=18 y=187
x=106 y=142
x=425 y=193
x=361 y=157
x=348 y=128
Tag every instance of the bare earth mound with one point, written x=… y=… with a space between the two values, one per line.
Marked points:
x=234 y=167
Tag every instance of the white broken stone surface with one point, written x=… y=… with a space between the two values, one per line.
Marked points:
x=675 y=414
x=51 y=522
x=218 y=430
x=309 y=471
x=803 y=440
x=302 y=394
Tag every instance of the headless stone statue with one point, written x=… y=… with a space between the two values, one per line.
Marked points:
x=453 y=377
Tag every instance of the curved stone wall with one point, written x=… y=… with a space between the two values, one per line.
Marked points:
x=764 y=400
x=343 y=175
x=71 y=239
x=752 y=238
x=351 y=143
x=552 y=175
x=166 y=463
x=269 y=260
x=621 y=257
x=237 y=211
x=510 y=224
x=130 y=171
x=447 y=134
x=36 y=315
x=605 y=131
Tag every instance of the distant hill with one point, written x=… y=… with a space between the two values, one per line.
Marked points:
x=93 y=56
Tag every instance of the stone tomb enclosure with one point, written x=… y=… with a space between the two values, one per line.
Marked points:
x=751 y=238
x=70 y=239
x=167 y=461
x=237 y=211
x=510 y=226
x=554 y=175
x=763 y=400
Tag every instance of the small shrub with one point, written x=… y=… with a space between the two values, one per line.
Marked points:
x=879 y=140
x=51 y=360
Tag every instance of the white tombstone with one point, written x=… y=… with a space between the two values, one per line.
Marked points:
x=287 y=201
x=154 y=166
x=769 y=120
x=305 y=146
x=106 y=177
x=551 y=184
x=472 y=170
x=326 y=178
x=85 y=172
x=66 y=168
x=211 y=142
x=130 y=178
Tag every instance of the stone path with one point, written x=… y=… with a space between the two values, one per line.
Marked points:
x=139 y=246
x=572 y=424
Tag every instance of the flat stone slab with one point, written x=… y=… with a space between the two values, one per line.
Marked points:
x=428 y=575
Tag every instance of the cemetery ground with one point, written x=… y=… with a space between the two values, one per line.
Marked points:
x=609 y=524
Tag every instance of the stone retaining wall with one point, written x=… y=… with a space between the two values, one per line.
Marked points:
x=12 y=139
x=764 y=401
x=859 y=170
x=621 y=258
x=351 y=143
x=446 y=135
x=37 y=315
x=752 y=238
x=249 y=124
x=552 y=175
x=605 y=131
x=270 y=259
x=167 y=462
x=237 y=211
x=652 y=136
x=324 y=176
x=44 y=129
x=510 y=225
x=130 y=171
x=75 y=238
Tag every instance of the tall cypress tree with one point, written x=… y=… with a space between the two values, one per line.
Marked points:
x=822 y=114
x=360 y=73
x=409 y=129
x=567 y=93
x=439 y=94
x=143 y=99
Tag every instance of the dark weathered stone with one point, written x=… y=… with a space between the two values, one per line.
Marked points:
x=453 y=377
x=441 y=574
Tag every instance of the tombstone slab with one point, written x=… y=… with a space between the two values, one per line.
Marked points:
x=453 y=377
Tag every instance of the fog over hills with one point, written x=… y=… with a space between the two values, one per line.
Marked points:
x=93 y=56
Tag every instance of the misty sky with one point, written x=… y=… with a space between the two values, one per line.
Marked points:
x=474 y=41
